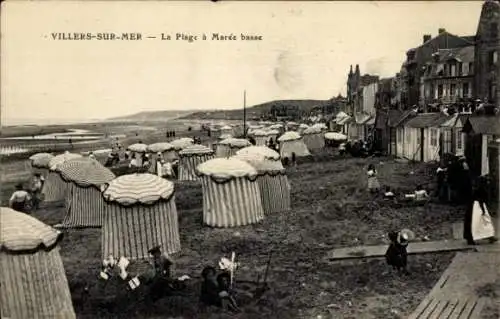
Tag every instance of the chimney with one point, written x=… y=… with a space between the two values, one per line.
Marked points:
x=350 y=71
x=427 y=37
x=357 y=68
x=441 y=30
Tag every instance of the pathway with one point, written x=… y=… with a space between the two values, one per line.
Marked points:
x=461 y=292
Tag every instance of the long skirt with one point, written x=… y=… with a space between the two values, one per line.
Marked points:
x=373 y=183
x=481 y=223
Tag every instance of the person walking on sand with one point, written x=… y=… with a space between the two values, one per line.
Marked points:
x=373 y=184
x=477 y=211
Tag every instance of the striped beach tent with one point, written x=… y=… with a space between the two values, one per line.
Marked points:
x=313 y=138
x=322 y=126
x=33 y=282
x=272 y=179
x=231 y=195
x=138 y=149
x=140 y=213
x=84 y=203
x=190 y=158
x=40 y=163
x=224 y=137
x=228 y=147
x=101 y=155
x=290 y=126
x=261 y=137
x=55 y=187
x=292 y=142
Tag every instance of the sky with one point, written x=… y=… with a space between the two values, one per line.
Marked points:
x=305 y=52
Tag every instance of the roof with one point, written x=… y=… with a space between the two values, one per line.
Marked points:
x=489 y=125
x=469 y=38
x=424 y=120
x=371 y=121
x=394 y=116
x=403 y=118
x=361 y=118
x=345 y=120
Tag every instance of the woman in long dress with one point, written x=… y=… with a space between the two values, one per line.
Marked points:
x=373 y=184
x=479 y=196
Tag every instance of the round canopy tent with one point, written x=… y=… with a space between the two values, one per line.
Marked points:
x=261 y=137
x=140 y=213
x=231 y=195
x=84 y=203
x=190 y=158
x=292 y=142
x=228 y=147
x=182 y=143
x=226 y=129
x=302 y=127
x=292 y=125
x=55 y=187
x=313 y=138
x=40 y=162
x=273 y=182
x=33 y=282
x=165 y=149
x=321 y=126
x=138 y=149
x=225 y=136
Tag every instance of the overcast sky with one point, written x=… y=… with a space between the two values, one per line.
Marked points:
x=305 y=52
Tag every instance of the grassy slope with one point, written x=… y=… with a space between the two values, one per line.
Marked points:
x=331 y=208
x=254 y=111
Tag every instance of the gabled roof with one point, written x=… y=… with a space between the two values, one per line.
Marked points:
x=424 y=120
x=402 y=119
x=483 y=124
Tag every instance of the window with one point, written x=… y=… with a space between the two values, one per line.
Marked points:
x=446 y=70
x=459 y=140
x=433 y=137
x=493 y=89
x=440 y=91
x=453 y=88
x=494 y=30
x=459 y=68
x=465 y=90
x=471 y=68
x=453 y=70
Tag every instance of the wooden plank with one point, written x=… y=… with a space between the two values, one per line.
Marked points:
x=449 y=309
x=436 y=314
x=421 y=307
x=413 y=248
x=469 y=307
x=430 y=309
x=476 y=313
x=458 y=309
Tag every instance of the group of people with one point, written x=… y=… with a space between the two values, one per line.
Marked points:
x=25 y=199
x=454 y=180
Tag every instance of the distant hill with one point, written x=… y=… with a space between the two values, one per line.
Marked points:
x=153 y=116
x=279 y=107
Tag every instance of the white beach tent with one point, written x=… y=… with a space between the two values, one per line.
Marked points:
x=140 y=213
x=335 y=136
x=292 y=142
x=261 y=137
x=226 y=129
x=190 y=158
x=313 y=138
x=55 y=187
x=181 y=143
x=163 y=149
x=84 y=203
x=33 y=282
x=40 y=163
x=231 y=195
x=138 y=149
x=272 y=179
x=302 y=127
x=228 y=147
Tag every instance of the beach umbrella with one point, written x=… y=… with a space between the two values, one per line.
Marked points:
x=33 y=281
x=271 y=176
x=138 y=148
x=313 y=138
x=190 y=158
x=231 y=195
x=321 y=126
x=54 y=188
x=140 y=213
x=181 y=143
x=40 y=162
x=160 y=147
x=84 y=203
x=225 y=136
x=334 y=136
x=101 y=155
x=292 y=142
x=228 y=147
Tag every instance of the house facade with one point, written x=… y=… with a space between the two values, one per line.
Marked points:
x=417 y=58
x=487 y=66
x=449 y=77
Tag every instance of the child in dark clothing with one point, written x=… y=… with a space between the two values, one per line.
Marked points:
x=397 y=255
x=209 y=294
x=227 y=300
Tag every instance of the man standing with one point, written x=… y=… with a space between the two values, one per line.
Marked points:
x=19 y=199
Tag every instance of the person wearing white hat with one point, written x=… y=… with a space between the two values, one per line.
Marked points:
x=397 y=254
